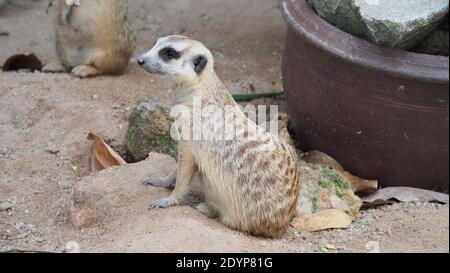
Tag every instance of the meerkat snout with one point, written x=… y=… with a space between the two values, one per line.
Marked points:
x=140 y=61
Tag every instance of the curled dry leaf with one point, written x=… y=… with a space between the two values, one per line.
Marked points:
x=358 y=184
x=103 y=156
x=404 y=195
x=322 y=220
x=22 y=61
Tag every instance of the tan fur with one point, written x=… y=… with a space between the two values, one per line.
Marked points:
x=250 y=185
x=94 y=38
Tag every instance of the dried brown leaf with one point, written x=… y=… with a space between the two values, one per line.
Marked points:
x=322 y=220
x=404 y=195
x=103 y=156
x=360 y=184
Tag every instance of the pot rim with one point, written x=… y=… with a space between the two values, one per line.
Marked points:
x=303 y=19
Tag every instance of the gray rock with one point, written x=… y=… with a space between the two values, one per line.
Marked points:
x=2 y=2
x=149 y=131
x=393 y=23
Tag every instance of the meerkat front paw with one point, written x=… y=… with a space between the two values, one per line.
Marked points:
x=163 y=203
x=85 y=71
x=53 y=68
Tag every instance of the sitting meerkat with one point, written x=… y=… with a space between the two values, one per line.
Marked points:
x=92 y=37
x=249 y=184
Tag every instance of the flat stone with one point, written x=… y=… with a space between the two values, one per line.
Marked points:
x=393 y=23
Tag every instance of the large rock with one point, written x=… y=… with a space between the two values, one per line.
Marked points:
x=149 y=131
x=323 y=188
x=393 y=23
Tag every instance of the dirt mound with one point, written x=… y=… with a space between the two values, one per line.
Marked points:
x=119 y=202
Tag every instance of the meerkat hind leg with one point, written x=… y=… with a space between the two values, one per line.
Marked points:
x=207 y=210
x=85 y=71
x=53 y=68
x=167 y=182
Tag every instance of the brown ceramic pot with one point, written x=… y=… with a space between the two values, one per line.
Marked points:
x=381 y=112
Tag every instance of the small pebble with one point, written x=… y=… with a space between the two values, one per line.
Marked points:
x=72 y=247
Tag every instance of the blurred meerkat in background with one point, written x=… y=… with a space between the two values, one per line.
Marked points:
x=92 y=38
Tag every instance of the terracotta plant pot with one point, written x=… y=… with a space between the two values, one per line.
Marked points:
x=381 y=112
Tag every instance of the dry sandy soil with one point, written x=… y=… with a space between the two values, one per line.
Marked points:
x=45 y=119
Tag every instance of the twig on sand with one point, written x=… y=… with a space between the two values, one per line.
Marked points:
x=249 y=97
x=13 y=251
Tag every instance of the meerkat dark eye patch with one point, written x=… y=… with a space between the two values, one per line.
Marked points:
x=168 y=54
x=200 y=63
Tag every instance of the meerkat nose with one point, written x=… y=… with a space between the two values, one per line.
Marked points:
x=140 y=61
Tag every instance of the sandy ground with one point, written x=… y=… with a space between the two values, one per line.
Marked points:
x=45 y=119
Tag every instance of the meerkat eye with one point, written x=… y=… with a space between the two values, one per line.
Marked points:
x=169 y=53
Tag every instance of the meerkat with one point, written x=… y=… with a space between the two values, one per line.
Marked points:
x=92 y=37
x=249 y=184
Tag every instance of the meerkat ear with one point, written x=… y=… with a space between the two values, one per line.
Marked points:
x=200 y=63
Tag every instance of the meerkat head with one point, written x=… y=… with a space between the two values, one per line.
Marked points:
x=185 y=60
